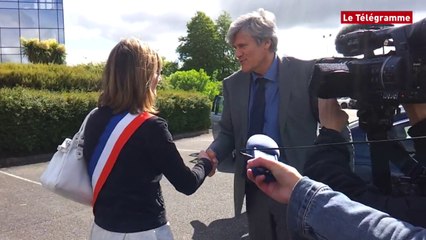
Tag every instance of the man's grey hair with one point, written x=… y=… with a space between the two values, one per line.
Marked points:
x=259 y=24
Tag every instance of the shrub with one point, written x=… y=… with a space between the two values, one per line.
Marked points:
x=45 y=51
x=193 y=80
x=184 y=111
x=51 y=77
x=36 y=121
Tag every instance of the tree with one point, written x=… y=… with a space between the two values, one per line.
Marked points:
x=198 y=50
x=169 y=67
x=46 y=51
x=205 y=46
x=228 y=63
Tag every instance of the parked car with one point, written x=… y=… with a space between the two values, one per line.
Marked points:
x=215 y=115
x=352 y=104
x=344 y=102
x=362 y=158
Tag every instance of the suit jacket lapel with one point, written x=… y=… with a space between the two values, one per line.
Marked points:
x=285 y=73
x=244 y=98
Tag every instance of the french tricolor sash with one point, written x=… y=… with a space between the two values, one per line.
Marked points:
x=118 y=131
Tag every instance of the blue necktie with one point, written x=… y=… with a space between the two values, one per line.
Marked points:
x=257 y=111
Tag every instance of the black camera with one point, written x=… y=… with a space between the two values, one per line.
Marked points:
x=379 y=83
x=393 y=78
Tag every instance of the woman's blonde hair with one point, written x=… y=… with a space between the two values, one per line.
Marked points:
x=129 y=72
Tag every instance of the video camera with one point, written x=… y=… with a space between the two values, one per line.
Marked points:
x=393 y=78
x=379 y=84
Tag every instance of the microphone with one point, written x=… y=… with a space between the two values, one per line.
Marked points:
x=260 y=145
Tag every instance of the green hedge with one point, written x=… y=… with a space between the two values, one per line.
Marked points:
x=51 y=77
x=36 y=121
x=184 y=111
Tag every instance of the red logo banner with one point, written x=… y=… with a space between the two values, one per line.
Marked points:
x=376 y=17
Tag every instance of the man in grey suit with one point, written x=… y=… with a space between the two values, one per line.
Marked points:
x=287 y=115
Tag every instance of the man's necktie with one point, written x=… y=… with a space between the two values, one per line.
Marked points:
x=257 y=111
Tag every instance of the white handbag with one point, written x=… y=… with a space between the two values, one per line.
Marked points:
x=67 y=173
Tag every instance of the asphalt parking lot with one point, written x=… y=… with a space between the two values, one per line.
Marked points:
x=28 y=211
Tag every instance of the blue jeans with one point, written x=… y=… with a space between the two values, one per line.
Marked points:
x=317 y=212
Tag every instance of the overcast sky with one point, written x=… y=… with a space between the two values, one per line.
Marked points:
x=92 y=28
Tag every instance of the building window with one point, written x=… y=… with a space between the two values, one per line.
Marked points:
x=11 y=50
x=48 y=19
x=40 y=19
x=9 y=18
x=10 y=38
x=8 y=5
x=61 y=19
x=11 y=58
x=61 y=36
x=29 y=18
x=48 y=4
x=30 y=33
x=49 y=34
x=26 y=5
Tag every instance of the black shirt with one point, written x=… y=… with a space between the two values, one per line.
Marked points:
x=131 y=198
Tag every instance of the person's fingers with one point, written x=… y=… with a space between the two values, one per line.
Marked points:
x=331 y=115
x=212 y=155
x=213 y=161
x=251 y=176
x=258 y=180
x=214 y=167
x=328 y=106
x=342 y=115
x=203 y=154
x=286 y=178
x=269 y=164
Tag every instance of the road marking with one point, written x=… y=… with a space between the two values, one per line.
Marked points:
x=188 y=150
x=38 y=183
x=21 y=178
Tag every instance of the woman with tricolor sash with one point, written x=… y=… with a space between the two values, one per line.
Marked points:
x=128 y=149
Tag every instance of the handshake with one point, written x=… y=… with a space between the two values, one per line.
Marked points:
x=258 y=145
x=277 y=179
x=209 y=154
x=263 y=167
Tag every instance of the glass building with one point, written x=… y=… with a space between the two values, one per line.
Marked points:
x=42 y=19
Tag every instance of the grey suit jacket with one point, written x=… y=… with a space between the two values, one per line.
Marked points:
x=298 y=125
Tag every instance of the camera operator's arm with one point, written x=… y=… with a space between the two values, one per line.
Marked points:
x=416 y=112
x=331 y=164
x=331 y=115
x=417 y=115
x=315 y=211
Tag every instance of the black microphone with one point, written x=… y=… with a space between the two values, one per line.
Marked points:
x=357 y=39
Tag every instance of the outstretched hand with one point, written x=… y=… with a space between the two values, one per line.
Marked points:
x=213 y=160
x=285 y=175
